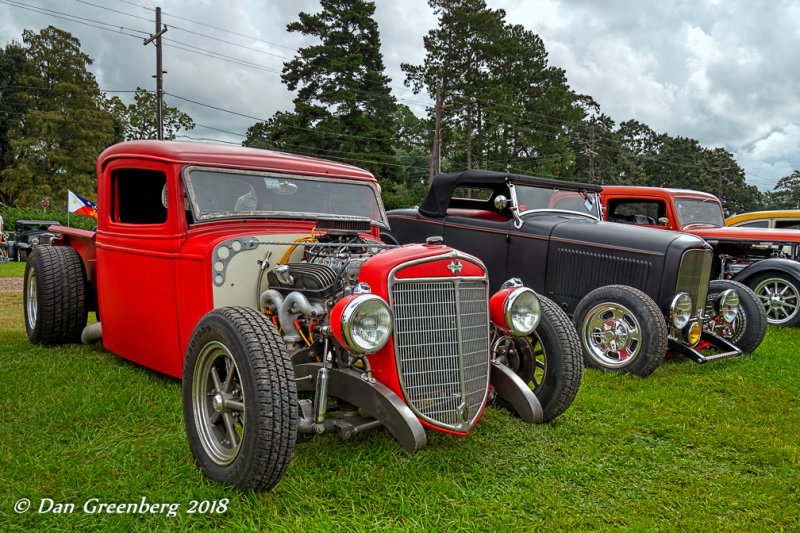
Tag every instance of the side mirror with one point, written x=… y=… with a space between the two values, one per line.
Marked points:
x=500 y=202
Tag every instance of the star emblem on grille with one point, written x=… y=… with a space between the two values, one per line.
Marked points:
x=455 y=267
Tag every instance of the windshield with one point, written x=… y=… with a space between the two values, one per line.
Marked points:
x=699 y=212
x=217 y=193
x=532 y=199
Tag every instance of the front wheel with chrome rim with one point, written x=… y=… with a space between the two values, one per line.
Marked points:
x=779 y=293
x=239 y=399
x=621 y=330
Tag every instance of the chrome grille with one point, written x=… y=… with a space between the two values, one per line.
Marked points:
x=441 y=341
x=693 y=276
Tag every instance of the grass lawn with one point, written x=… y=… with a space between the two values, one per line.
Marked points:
x=12 y=269
x=690 y=448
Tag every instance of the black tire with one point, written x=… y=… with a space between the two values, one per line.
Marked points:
x=779 y=293
x=549 y=361
x=621 y=330
x=54 y=295
x=261 y=384
x=750 y=325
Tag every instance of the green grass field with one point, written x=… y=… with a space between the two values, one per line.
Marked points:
x=12 y=269
x=690 y=448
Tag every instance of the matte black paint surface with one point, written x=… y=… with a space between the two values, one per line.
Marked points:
x=559 y=255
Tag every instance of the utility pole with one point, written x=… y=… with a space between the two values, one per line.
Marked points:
x=159 y=81
x=436 y=159
x=720 y=168
x=436 y=153
x=592 y=153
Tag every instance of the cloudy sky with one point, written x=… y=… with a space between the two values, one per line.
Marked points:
x=721 y=72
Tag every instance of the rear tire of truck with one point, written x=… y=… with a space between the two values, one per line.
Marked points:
x=549 y=360
x=750 y=325
x=779 y=294
x=622 y=330
x=54 y=295
x=240 y=404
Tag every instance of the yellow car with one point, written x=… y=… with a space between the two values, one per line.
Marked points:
x=787 y=219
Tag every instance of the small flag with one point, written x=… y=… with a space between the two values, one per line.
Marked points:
x=82 y=206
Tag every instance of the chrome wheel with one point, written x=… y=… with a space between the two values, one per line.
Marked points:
x=525 y=356
x=612 y=335
x=31 y=302
x=780 y=299
x=218 y=404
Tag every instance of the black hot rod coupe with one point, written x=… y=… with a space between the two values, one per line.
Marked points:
x=632 y=291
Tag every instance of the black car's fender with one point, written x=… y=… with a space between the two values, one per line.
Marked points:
x=773 y=264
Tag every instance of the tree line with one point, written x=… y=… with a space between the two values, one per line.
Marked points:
x=498 y=104
x=54 y=120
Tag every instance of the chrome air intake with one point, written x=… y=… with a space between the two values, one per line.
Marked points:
x=441 y=344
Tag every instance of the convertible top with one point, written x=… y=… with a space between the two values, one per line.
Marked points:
x=441 y=190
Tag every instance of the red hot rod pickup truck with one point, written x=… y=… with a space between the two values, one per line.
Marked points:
x=763 y=259
x=259 y=279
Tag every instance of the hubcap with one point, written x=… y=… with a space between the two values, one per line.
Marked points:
x=218 y=403
x=612 y=335
x=31 y=304
x=780 y=299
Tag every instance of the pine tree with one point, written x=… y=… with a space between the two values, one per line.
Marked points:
x=503 y=107
x=54 y=145
x=343 y=109
x=12 y=60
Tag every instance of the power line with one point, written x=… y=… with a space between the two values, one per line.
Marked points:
x=174 y=27
x=489 y=105
x=73 y=18
x=56 y=119
x=260 y=119
x=251 y=37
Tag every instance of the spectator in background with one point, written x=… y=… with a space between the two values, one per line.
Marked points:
x=3 y=245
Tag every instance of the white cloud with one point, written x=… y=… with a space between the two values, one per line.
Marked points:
x=721 y=72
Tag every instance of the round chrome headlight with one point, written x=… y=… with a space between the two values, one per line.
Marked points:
x=680 y=310
x=727 y=305
x=366 y=324
x=522 y=311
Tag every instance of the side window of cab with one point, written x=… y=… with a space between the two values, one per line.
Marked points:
x=138 y=196
x=639 y=212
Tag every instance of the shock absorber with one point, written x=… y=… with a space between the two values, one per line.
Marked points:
x=321 y=391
